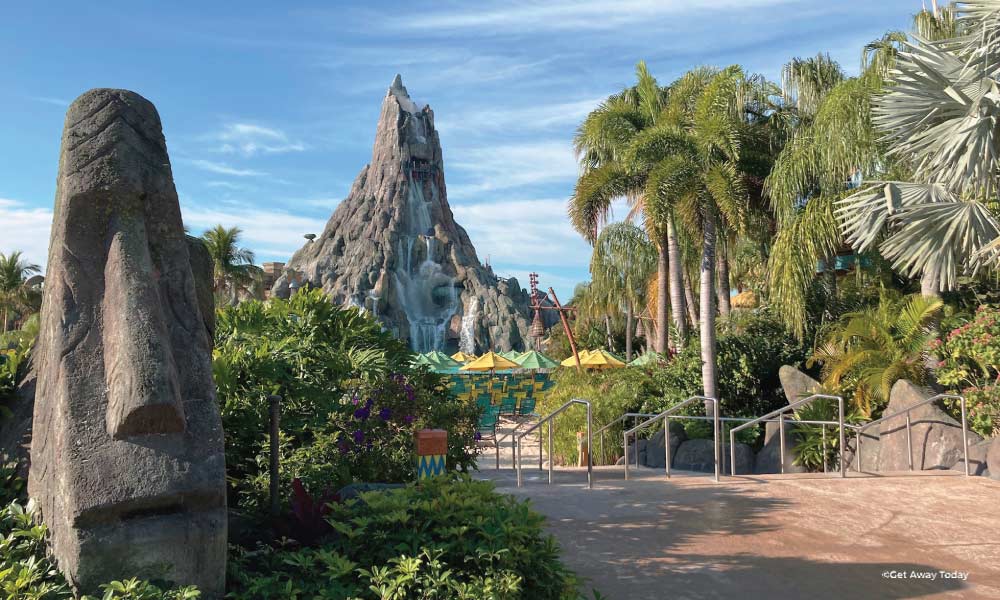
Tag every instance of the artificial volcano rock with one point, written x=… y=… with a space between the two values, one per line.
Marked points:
x=393 y=247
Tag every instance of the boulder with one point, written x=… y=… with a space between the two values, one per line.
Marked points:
x=699 y=455
x=656 y=453
x=936 y=437
x=977 y=458
x=993 y=458
x=796 y=384
x=127 y=463
x=15 y=429
x=870 y=445
x=768 y=460
x=631 y=453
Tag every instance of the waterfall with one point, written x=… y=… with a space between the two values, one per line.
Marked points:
x=427 y=294
x=467 y=340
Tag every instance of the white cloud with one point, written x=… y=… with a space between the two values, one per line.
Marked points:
x=489 y=168
x=249 y=139
x=271 y=234
x=50 y=100
x=490 y=119
x=224 y=169
x=563 y=15
x=26 y=229
x=523 y=232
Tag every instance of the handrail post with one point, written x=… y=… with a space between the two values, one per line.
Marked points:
x=823 y=435
x=590 y=451
x=965 y=439
x=781 y=447
x=540 y=446
x=732 y=452
x=625 y=453
x=666 y=444
x=858 y=467
x=909 y=443
x=517 y=461
x=715 y=436
x=840 y=419
x=550 y=451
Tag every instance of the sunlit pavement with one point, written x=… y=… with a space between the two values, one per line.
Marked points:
x=774 y=537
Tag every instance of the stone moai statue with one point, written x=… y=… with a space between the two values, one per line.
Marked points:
x=127 y=462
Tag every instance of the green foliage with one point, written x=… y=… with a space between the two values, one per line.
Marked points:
x=969 y=364
x=350 y=399
x=871 y=349
x=449 y=537
x=811 y=448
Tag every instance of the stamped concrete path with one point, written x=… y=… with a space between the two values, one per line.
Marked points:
x=770 y=537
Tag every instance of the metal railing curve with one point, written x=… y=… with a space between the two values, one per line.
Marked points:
x=629 y=415
x=781 y=429
x=909 y=439
x=665 y=416
x=548 y=419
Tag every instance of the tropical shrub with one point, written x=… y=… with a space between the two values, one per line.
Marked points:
x=871 y=349
x=450 y=537
x=350 y=400
x=969 y=364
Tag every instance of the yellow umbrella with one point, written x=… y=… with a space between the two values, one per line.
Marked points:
x=571 y=362
x=462 y=357
x=490 y=362
x=601 y=359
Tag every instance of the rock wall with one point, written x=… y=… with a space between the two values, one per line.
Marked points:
x=393 y=247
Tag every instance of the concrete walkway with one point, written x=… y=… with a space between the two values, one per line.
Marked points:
x=771 y=537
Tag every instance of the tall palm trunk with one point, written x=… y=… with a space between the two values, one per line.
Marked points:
x=707 y=309
x=628 y=331
x=5 y=316
x=722 y=270
x=676 y=284
x=692 y=306
x=607 y=330
x=662 y=277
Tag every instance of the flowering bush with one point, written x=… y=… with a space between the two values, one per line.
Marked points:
x=969 y=364
x=350 y=400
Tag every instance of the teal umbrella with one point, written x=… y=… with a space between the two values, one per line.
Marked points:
x=647 y=359
x=535 y=360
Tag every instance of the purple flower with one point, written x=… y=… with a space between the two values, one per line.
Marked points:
x=479 y=436
x=370 y=403
x=385 y=414
x=408 y=419
x=355 y=399
x=359 y=436
x=410 y=393
x=362 y=413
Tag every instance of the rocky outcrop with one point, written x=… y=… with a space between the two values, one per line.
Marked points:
x=977 y=459
x=768 y=459
x=936 y=437
x=699 y=455
x=393 y=247
x=15 y=428
x=993 y=458
x=796 y=384
x=655 y=454
x=127 y=461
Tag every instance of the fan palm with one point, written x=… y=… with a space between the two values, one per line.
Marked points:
x=234 y=271
x=623 y=261
x=875 y=347
x=15 y=295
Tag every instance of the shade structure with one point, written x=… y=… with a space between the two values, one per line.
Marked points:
x=745 y=299
x=601 y=359
x=571 y=362
x=649 y=358
x=535 y=360
x=511 y=355
x=462 y=357
x=440 y=358
x=490 y=362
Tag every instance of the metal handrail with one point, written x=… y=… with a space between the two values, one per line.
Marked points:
x=600 y=432
x=781 y=429
x=665 y=416
x=548 y=419
x=909 y=439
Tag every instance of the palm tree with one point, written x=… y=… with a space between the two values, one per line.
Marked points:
x=234 y=271
x=939 y=112
x=602 y=142
x=875 y=347
x=15 y=295
x=623 y=261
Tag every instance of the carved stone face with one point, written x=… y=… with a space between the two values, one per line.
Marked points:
x=127 y=451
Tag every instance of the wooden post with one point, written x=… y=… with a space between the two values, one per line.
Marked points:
x=432 y=449
x=275 y=410
x=565 y=324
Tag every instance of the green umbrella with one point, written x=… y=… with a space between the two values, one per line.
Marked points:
x=535 y=360
x=440 y=358
x=647 y=359
x=510 y=355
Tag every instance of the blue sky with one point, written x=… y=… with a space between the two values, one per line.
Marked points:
x=269 y=108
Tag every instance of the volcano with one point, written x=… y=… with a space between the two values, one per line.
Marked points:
x=393 y=248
